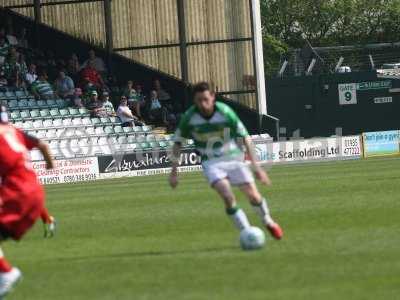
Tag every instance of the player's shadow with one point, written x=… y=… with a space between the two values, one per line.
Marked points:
x=147 y=254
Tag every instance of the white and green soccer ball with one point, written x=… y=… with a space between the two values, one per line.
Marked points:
x=252 y=238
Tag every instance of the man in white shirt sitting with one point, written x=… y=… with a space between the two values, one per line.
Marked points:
x=125 y=114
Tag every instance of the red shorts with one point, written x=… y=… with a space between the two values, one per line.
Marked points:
x=19 y=212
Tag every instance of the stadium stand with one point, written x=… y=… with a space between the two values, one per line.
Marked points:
x=70 y=131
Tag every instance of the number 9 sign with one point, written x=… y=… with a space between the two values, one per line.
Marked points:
x=347 y=93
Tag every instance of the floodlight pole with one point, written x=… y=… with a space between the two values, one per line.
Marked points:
x=109 y=31
x=36 y=11
x=38 y=19
x=183 y=49
x=258 y=57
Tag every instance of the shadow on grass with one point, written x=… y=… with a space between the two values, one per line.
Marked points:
x=148 y=254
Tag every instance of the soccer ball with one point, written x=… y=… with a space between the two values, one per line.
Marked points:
x=252 y=238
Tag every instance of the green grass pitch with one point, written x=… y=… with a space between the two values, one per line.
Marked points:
x=134 y=238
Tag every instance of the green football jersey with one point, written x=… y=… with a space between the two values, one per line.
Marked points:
x=213 y=137
x=43 y=88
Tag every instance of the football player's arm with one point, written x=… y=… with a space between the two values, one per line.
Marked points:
x=250 y=149
x=183 y=132
x=240 y=131
x=260 y=173
x=49 y=223
x=45 y=150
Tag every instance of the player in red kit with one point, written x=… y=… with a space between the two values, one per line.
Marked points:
x=21 y=195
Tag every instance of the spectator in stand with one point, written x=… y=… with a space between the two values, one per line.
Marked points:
x=90 y=73
x=77 y=99
x=133 y=99
x=93 y=102
x=96 y=63
x=11 y=38
x=95 y=107
x=166 y=102
x=12 y=68
x=23 y=41
x=64 y=85
x=107 y=105
x=129 y=91
x=22 y=62
x=4 y=49
x=74 y=67
x=163 y=95
x=125 y=114
x=156 y=113
x=140 y=94
x=41 y=88
x=141 y=98
x=12 y=54
x=22 y=70
x=31 y=75
x=88 y=88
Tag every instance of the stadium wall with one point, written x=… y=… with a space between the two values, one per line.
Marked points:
x=311 y=106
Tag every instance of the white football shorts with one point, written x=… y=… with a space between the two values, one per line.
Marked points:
x=236 y=171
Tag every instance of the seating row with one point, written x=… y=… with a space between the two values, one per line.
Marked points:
x=31 y=103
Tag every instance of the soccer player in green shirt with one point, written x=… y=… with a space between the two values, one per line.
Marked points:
x=216 y=130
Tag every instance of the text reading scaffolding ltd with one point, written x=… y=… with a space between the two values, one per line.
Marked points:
x=310 y=153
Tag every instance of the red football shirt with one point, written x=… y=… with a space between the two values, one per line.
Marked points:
x=17 y=175
x=92 y=75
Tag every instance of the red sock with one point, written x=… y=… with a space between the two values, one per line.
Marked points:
x=45 y=216
x=4 y=265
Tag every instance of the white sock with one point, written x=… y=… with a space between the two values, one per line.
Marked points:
x=238 y=217
x=263 y=211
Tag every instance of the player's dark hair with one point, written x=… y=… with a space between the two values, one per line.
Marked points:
x=201 y=87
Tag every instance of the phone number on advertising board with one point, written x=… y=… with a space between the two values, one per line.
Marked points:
x=68 y=178
x=352 y=147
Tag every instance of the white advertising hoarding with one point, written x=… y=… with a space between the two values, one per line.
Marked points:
x=94 y=168
x=310 y=150
x=68 y=170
